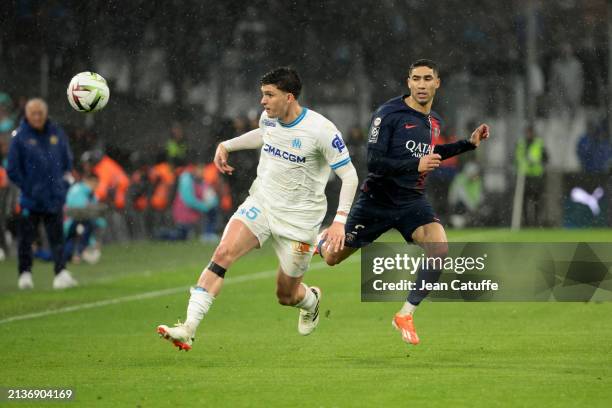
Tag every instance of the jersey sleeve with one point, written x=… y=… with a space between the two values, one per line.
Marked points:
x=333 y=147
x=380 y=133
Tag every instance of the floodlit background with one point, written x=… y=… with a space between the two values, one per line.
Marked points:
x=192 y=67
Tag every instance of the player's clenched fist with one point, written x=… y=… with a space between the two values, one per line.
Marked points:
x=221 y=156
x=479 y=134
x=429 y=162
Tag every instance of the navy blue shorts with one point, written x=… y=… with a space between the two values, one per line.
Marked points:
x=369 y=219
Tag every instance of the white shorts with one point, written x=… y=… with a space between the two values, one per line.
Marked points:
x=294 y=256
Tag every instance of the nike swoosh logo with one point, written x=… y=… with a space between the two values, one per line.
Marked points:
x=409 y=126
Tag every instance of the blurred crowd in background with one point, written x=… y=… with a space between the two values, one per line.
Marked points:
x=184 y=76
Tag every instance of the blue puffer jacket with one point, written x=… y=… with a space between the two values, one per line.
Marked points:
x=37 y=163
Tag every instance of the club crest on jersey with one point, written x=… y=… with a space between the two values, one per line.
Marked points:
x=301 y=247
x=349 y=238
x=269 y=122
x=296 y=143
x=374 y=135
x=338 y=143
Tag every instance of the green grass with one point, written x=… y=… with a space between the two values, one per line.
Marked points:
x=248 y=352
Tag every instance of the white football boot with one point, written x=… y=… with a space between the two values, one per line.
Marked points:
x=179 y=335
x=91 y=255
x=308 y=321
x=25 y=281
x=64 y=280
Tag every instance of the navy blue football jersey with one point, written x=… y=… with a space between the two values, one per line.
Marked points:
x=401 y=135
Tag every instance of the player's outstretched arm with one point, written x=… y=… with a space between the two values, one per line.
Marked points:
x=452 y=149
x=335 y=233
x=250 y=140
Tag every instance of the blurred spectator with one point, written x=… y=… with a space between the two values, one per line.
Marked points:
x=531 y=158
x=139 y=191
x=140 y=188
x=113 y=182
x=212 y=178
x=194 y=197
x=39 y=162
x=594 y=149
x=176 y=146
x=567 y=80
x=84 y=218
x=465 y=197
x=7 y=123
x=161 y=178
x=5 y=100
x=4 y=192
x=9 y=198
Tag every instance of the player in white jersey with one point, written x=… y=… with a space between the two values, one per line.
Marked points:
x=286 y=203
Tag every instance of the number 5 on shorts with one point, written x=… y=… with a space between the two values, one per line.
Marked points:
x=252 y=213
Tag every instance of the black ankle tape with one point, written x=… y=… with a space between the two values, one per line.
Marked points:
x=216 y=269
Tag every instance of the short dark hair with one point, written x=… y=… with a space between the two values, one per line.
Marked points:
x=424 y=63
x=284 y=78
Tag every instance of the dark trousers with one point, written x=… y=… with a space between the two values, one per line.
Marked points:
x=26 y=234
x=75 y=241
x=210 y=221
x=532 y=202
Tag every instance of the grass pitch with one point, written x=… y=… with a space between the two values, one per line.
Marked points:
x=99 y=339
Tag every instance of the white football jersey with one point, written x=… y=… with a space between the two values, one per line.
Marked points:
x=294 y=167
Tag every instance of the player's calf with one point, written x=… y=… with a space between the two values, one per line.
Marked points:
x=288 y=289
x=225 y=254
x=286 y=298
x=335 y=257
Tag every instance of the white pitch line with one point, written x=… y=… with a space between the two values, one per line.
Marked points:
x=150 y=295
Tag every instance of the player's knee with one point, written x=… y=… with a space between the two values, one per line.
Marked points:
x=332 y=259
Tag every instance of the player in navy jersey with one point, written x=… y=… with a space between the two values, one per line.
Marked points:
x=402 y=150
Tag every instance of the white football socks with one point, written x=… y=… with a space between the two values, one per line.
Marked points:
x=199 y=303
x=310 y=300
x=407 y=309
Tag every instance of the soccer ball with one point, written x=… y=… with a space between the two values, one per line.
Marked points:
x=88 y=92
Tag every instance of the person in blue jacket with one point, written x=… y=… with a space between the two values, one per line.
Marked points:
x=39 y=163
